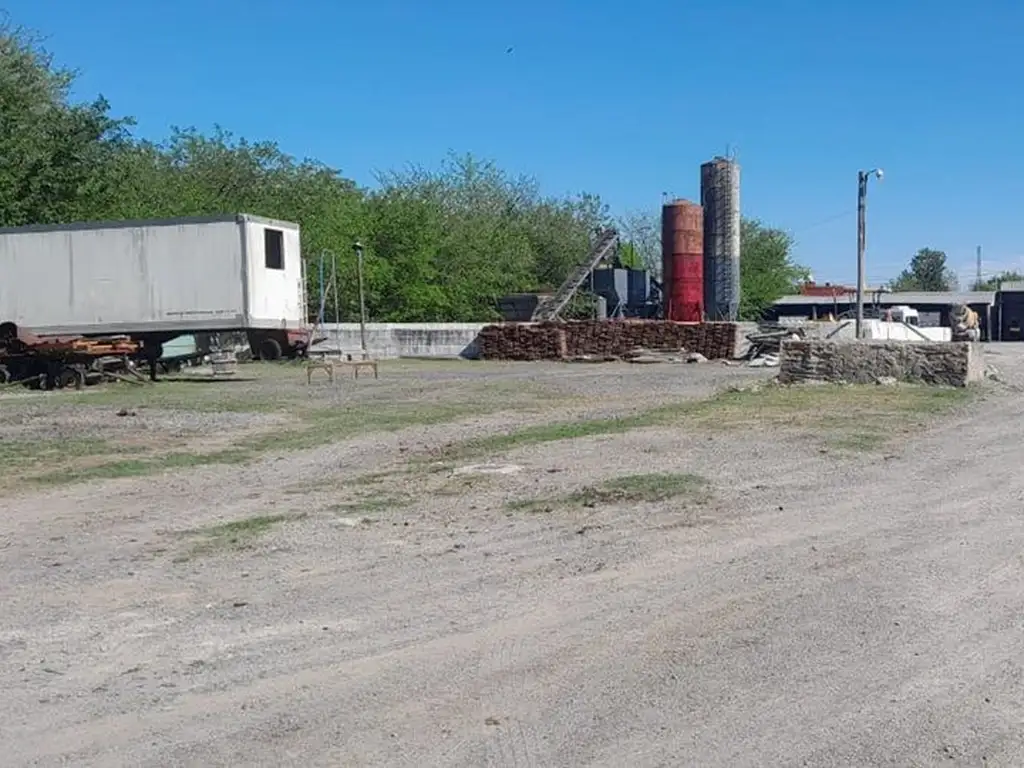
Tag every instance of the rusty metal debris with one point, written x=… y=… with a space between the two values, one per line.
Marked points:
x=58 y=362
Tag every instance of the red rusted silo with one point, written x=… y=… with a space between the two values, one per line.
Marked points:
x=682 y=260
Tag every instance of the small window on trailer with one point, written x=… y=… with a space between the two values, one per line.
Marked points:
x=273 y=248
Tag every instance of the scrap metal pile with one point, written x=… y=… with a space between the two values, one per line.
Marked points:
x=604 y=339
x=766 y=343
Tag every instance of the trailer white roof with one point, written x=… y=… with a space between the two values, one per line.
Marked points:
x=138 y=223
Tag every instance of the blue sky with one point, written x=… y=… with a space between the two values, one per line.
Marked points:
x=624 y=99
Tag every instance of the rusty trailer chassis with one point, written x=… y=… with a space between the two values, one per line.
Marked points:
x=61 y=362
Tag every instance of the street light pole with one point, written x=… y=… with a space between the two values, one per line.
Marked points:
x=358 y=248
x=862 y=204
x=862 y=201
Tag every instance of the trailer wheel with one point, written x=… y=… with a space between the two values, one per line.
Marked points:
x=270 y=349
x=4 y=375
x=70 y=378
x=64 y=379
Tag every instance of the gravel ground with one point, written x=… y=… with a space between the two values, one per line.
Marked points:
x=816 y=610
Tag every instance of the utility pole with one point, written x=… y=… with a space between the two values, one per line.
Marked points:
x=862 y=204
x=358 y=248
x=977 y=284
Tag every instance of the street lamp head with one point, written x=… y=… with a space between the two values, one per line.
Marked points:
x=879 y=173
x=357 y=246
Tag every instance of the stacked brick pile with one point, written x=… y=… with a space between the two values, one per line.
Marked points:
x=522 y=341
x=603 y=338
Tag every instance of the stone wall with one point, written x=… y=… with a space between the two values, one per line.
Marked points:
x=604 y=338
x=864 y=362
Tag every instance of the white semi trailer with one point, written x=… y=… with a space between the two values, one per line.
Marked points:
x=156 y=280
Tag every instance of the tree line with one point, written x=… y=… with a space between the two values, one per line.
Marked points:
x=928 y=271
x=440 y=244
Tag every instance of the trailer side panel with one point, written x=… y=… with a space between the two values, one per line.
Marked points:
x=123 y=278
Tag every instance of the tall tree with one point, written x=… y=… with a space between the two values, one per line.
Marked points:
x=767 y=271
x=54 y=155
x=927 y=271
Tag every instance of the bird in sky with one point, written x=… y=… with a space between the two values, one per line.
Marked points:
x=509 y=49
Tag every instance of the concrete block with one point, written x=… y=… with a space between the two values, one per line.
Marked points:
x=867 y=361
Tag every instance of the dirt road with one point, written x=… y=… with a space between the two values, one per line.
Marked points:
x=816 y=609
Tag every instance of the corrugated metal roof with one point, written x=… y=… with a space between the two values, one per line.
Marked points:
x=1012 y=285
x=911 y=298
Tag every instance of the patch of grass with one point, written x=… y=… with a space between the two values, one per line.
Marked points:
x=323 y=426
x=626 y=489
x=372 y=478
x=546 y=433
x=315 y=418
x=652 y=486
x=109 y=470
x=840 y=409
x=315 y=428
x=368 y=504
x=233 y=535
x=859 y=441
x=235 y=395
x=18 y=453
x=836 y=405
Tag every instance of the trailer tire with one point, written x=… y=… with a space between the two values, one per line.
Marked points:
x=270 y=349
x=4 y=375
x=70 y=378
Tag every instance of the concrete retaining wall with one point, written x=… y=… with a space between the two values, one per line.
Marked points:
x=390 y=340
x=863 y=362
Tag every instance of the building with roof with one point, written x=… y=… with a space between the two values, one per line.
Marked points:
x=1011 y=311
x=934 y=307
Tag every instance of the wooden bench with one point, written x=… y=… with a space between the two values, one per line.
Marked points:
x=328 y=366
x=319 y=365
x=357 y=364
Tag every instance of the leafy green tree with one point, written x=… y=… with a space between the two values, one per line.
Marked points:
x=993 y=283
x=767 y=271
x=54 y=155
x=457 y=238
x=191 y=174
x=927 y=271
x=629 y=256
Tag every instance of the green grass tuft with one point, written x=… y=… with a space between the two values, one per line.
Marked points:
x=369 y=504
x=233 y=535
x=627 y=489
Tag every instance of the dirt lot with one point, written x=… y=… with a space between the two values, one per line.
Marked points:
x=466 y=564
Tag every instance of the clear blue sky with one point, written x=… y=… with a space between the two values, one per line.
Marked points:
x=624 y=99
